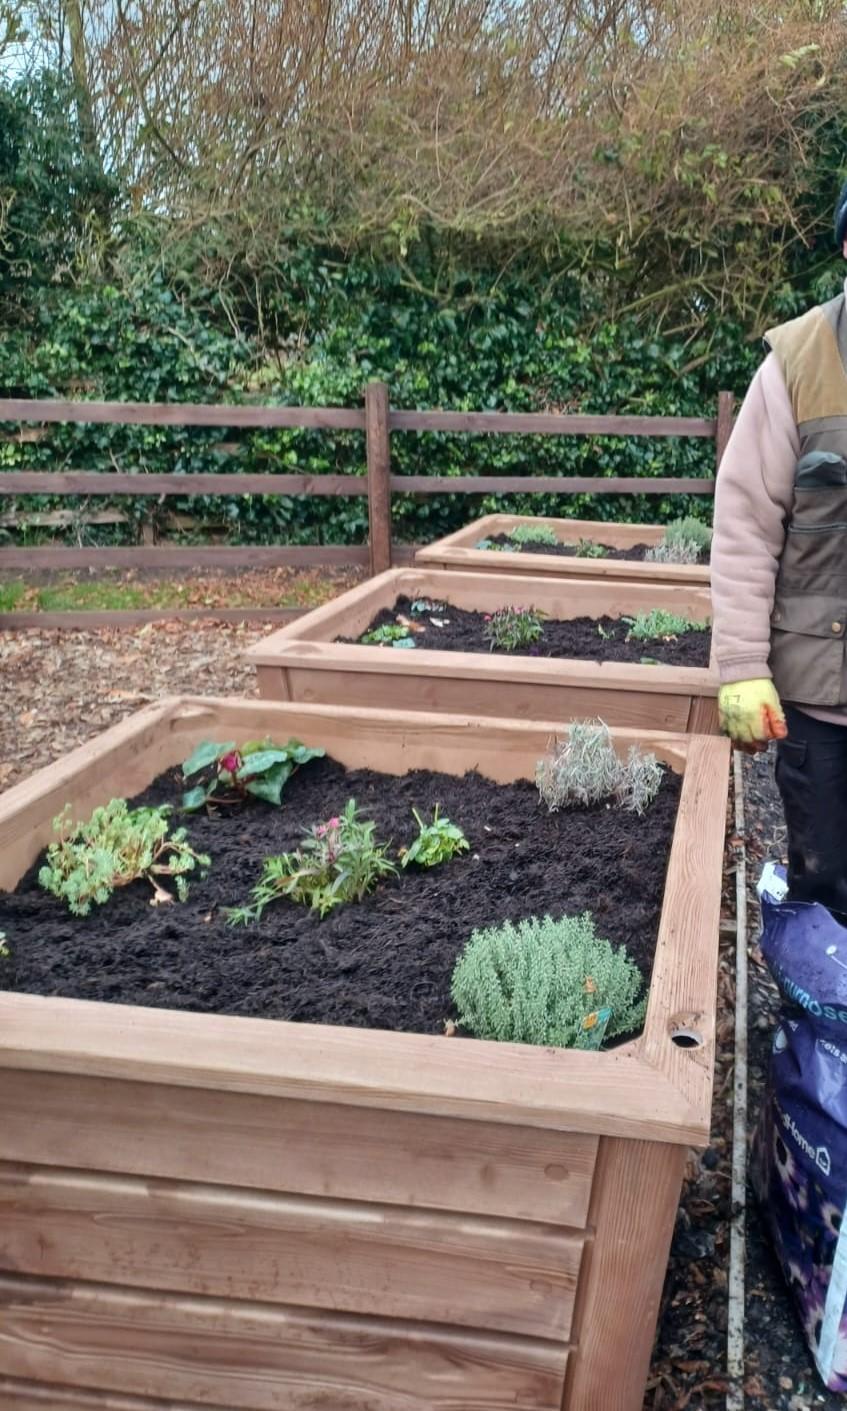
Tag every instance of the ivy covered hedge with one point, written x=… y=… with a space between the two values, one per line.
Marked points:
x=94 y=306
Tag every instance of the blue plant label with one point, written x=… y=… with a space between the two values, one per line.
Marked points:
x=594 y=1028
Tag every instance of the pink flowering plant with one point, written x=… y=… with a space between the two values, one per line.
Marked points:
x=337 y=861
x=225 y=774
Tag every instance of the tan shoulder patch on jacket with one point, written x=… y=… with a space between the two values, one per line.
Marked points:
x=811 y=365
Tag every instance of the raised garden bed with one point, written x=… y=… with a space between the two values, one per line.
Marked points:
x=234 y=1212
x=307 y=662
x=624 y=560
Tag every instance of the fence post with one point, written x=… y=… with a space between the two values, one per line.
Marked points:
x=379 y=475
x=723 y=430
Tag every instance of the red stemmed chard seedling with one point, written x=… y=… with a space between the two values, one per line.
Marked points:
x=229 y=775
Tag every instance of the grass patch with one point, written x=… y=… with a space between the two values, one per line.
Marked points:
x=11 y=594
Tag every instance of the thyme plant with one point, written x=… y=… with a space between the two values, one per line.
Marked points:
x=546 y=982
x=533 y=534
x=658 y=624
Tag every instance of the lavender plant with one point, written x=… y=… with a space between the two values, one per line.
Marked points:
x=229 y=775
x=436 y=842
x=585 y=769
x=685 y=541
x=115 y=846
x=510 y=629
x=546 y=982
x=337 y=861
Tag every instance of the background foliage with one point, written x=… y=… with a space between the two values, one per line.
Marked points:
x=525 y=206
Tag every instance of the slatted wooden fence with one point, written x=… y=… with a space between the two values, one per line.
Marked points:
x=375 y=420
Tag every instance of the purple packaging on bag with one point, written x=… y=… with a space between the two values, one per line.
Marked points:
x=799 y=1157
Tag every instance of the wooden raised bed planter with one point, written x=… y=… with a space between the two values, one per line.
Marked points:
x=238 y=1213
x=304 y=662
x=458 y=551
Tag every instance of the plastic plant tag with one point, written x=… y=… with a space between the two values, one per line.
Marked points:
x=594 y=1028
x=772 y=883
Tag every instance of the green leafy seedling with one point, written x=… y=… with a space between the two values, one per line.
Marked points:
x=114 y=847
x=388 y=635
x=510 y=629
x=588 y=549
x=436 y=842
x=337 y=861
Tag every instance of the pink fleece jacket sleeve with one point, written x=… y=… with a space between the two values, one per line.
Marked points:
x=753 y=499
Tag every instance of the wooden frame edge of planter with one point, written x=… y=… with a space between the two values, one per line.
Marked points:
x=458 y=551
x=651 y=1090
x=299 y=661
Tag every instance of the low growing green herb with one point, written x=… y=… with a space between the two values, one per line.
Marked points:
x=651 y=626
x=115 y=846
x=390 y=634
x=436 y=842
x=546 y=982
x=337 y=861
x=588 y=549
x=533 y=534
x=509 y=629
x=5 y=953
x=258 y=768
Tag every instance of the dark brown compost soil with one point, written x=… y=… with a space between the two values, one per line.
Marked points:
x=576 y=637
x=383 y=963
x=568 y=550
x=634 y=553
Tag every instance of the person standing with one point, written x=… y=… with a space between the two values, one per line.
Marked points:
x=779 y=584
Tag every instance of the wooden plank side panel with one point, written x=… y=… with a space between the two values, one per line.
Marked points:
x=170 y=556
x=552 y=485
x=95 y=482
x=260 y=1358
x=551 y=423
x=633 y=1208
x=682 y=993
x=179 y=414
x=567 y=531
x=18 y=1395
x=517 y=700
x=228 y=1242
x=544 y=565
x=281 y=1145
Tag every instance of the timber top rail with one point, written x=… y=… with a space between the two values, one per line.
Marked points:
x=376 y=420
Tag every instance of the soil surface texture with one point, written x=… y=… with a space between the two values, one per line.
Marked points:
x=566 y=551
x=385 y=962
x=463 y=631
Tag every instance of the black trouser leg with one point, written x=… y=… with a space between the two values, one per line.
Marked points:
x=811 y=774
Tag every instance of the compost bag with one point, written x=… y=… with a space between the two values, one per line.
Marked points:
x=799 y=1157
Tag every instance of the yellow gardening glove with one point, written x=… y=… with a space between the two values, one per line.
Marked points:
x=751 y=714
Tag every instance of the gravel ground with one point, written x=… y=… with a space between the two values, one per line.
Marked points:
x=59 y=688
